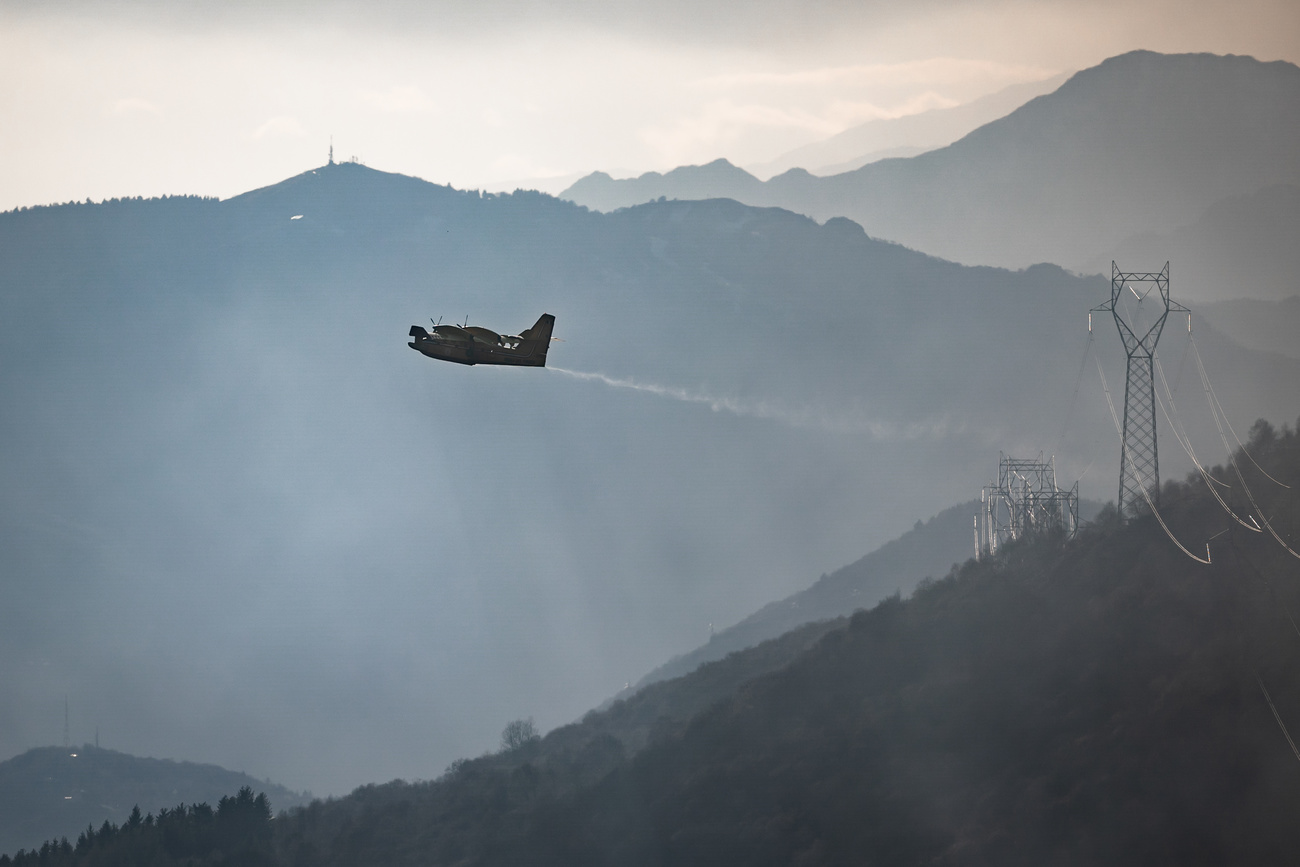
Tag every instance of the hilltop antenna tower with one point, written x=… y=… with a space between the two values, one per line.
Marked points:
x=331 y=150
x=1139 y=464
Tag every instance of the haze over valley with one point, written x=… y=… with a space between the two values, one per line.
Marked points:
x=243 y=525
x=250 y=463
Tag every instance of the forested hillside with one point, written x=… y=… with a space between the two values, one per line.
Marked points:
x=217 y=438
x=927 y=550
x=1101 y=700
x=50 y=792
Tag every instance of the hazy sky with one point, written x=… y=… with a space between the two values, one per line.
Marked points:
x=148 y=98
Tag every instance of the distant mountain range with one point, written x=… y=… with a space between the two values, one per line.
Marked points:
x=234 y=505
x=904 y=136
x=1271 y=326
x=1238 y=248
x=52 y=792
x=1143 y=144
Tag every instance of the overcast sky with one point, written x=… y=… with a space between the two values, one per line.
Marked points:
x=214 y=98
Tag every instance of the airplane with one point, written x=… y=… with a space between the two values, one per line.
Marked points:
x=469 y=344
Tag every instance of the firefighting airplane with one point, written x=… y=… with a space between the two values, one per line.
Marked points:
x=469 y=344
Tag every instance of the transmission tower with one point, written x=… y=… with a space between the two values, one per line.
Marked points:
x=1139 y=325
x=1026 y=500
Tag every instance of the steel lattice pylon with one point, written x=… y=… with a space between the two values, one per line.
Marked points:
x=1025 y=501
x=1139 y=328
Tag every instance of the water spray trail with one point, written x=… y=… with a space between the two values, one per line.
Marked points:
x=808 y=419
x=716 y=404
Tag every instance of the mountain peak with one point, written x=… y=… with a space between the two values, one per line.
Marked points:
x=1142 y=142
x=719 y=179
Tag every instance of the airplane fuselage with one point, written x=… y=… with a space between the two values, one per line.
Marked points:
x=473 y=345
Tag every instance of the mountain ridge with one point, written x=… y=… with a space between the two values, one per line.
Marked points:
x=1124 y=147
x=222 y=392
x=928 y=551
x=48 y=793
x=893 y=137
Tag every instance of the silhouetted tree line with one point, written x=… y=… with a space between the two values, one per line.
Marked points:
x=237 y=832
x=1098 y=700
x=124 y=200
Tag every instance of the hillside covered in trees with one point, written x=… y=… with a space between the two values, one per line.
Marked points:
x=1101 y=700
x=236 y=506
x=47 y=792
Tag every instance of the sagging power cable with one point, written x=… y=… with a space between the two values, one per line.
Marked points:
x=1142 y=484
x=1277 y=716
x=1216 y=406
x=1217 y=409
x=1176 y=422
x=1078 y=381
x=1186 y=442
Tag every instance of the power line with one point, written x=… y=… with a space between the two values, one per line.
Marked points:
x=1139 y=474
x=1217 y=409
x=1277 y=716
x=1142 y=487
x=1216 y=406
x=1186 y=442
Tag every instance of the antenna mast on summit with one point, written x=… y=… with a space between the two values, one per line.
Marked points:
x=1139 y=469
x=331 y=150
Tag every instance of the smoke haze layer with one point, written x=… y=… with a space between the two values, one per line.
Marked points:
x=243 y=523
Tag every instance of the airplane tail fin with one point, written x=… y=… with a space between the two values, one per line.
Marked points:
x=541 y=331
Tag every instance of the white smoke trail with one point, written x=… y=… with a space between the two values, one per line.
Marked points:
x=805 y=419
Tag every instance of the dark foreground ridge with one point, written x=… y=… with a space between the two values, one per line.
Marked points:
x=1102 y=701
x=50 y=792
